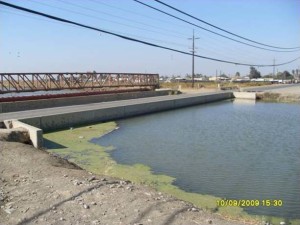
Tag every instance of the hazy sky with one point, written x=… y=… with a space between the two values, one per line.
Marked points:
x=30 y=43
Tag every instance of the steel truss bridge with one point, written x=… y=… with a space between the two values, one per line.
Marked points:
x=28 y=82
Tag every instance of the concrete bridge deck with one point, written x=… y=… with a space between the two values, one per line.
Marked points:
x=63 y=117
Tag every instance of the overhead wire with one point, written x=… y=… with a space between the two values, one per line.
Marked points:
x=121 y=17
x=208 y=48
x=216 y=44
x=103 y=19
x=226 y=31
x=57 y=22
x=210 y=31
x=133 y=39
x=209 y=42
x=34 y=17
x=160 y=20
x=208 y=45
x=94 y=9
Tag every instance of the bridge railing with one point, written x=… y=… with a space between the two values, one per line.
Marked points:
x=21 y=82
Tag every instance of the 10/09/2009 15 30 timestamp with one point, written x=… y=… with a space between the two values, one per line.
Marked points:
x=250 y=203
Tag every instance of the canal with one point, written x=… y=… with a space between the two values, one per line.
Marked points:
x=231 y=149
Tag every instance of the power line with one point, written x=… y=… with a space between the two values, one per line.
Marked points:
x=57 y=22
x=133 y=12
x=102 y=19
x=94 y=9
x=120 y=17
x=247 y=39
x=133 y=39
x=241 y=42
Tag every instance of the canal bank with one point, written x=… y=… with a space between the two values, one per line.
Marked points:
x=40 y=188
x=286 y=93
x=279 y=97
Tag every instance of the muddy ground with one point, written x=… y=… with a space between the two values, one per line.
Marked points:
x=38 y=188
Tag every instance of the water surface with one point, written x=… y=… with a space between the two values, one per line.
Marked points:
x=237 y=150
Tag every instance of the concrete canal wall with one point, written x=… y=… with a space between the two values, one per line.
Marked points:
x=119 y=110
x=43 y=120
x=60 y=102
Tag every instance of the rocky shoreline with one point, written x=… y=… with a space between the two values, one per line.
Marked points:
x=39 y=188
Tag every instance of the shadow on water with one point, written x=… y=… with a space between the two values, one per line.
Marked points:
x=52 y=145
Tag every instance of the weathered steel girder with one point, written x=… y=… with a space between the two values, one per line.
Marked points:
x=21 y=82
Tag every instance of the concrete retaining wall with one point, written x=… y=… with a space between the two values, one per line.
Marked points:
x=58 y=102
x=62 y=121
x=35 y=134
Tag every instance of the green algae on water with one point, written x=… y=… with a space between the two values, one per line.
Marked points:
x=74 y=144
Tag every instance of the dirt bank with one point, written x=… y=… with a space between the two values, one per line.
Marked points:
x=38 y=188
x=279 y=97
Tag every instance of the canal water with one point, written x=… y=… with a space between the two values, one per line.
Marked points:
x=231 y=149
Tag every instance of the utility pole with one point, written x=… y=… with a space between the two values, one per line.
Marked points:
x=193 y=59
x=274 y=67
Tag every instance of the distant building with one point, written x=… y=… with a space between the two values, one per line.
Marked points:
x=178 y=79
x=241 y=79
x=219 y=79
x=201 y=79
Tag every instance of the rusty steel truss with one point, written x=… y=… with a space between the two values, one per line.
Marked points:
x=22 y=82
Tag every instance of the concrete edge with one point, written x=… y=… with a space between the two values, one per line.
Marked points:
x=245 y=95
x=35 y=134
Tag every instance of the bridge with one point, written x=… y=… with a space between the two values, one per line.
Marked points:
x=37 y=121
x=28 y=82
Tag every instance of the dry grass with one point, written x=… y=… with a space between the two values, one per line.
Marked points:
x=212 y=85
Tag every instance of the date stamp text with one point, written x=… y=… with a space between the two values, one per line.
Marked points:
x=249 y=202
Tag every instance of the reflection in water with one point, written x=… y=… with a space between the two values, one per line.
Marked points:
x=237 y=151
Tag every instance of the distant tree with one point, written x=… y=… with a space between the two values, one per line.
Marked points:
x=254 y=73
x=287 y=75
x=223 y=75
x=237 y=74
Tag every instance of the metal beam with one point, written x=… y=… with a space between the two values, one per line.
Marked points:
x=21 y=82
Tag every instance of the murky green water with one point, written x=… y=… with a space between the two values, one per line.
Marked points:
x=235 y=150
